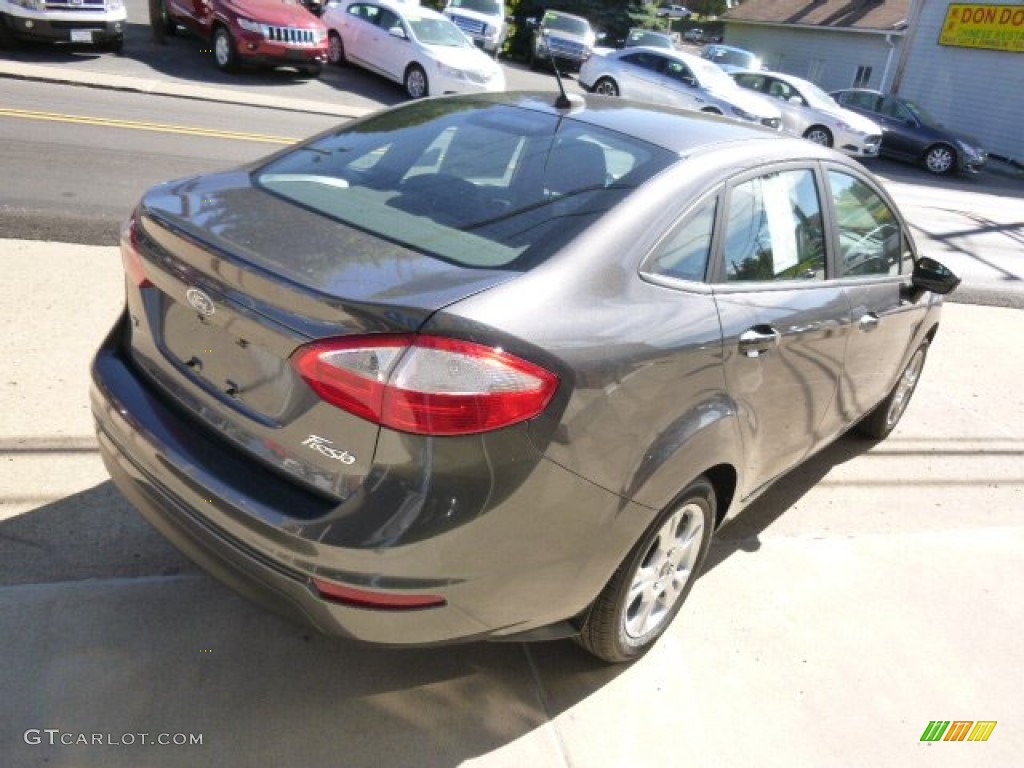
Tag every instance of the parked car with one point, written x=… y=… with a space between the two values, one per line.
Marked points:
x=485 y=21
x=650 y=38
x=730 y=58
x=675 y=78
x=324 y=387
x=91 y=22
x=694 y=35
x=912 y=135
x=674 y=12
x=810 y=112
x=566 y=39
x=416 y=47
x=251 y=32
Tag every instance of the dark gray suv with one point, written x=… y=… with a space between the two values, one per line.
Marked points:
x=498 y=366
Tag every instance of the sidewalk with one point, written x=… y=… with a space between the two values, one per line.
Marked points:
x=871 y=592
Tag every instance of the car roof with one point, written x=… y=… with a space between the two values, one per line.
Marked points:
x=679 y=131
x=402 y=9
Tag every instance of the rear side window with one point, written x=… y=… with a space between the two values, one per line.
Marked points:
x=774 y=229
x=870 y=237
x=684 y=254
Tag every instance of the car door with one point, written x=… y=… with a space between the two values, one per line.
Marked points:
x=796 y=116
x=784 y=320
x=638 y=77
x=902 y=131
x=874 y=259
x=676 y=79
x=358 y=26
x=389 y=53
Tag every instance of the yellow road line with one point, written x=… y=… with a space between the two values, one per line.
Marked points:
x=144 y=126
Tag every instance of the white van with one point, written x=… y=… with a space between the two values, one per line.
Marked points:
x=97 y=22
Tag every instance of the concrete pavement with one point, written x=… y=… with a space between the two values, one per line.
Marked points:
x=874 y=590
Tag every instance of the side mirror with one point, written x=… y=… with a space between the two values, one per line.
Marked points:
x=397 y=32
x=930 y=275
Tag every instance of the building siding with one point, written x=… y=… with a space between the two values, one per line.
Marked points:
x=827 y=57
x=979 y=92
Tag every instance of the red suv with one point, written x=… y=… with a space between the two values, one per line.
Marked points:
x=259 y=32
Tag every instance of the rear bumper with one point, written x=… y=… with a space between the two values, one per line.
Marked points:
x=533 y=559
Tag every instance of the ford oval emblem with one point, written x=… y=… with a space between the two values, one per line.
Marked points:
x=200 y=302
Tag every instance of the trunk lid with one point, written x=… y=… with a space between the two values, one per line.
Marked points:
x=237 y=281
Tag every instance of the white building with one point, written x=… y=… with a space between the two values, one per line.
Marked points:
x=963 y=62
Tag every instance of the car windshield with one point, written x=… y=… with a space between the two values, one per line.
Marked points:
x=437 y=32
x=711 y=76
x=814 y=96
x=467 y=181
x=569 y=24
x=489 y=7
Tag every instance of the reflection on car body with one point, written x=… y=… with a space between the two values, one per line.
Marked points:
x=550 y=350
x=676 y=78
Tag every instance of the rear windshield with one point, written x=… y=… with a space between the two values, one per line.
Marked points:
x=473 y=183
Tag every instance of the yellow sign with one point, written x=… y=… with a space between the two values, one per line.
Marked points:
x=998 y=27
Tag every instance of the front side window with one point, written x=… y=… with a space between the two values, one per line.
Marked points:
x=861 y=100
x=892 y=108
x=676 y=70
x=643 y=60
x=773 y=229
x=870 y=238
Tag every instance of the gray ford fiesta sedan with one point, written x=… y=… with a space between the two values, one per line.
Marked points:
x=498 y=366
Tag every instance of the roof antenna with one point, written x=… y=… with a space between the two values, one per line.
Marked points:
x=565 y=100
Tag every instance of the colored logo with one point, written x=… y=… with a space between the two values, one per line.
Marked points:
x=958 y=730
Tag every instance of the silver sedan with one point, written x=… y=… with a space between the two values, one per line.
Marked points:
x=677 y=79
x=810 y=112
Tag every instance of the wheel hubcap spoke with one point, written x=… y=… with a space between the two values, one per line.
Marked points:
x=664 y=573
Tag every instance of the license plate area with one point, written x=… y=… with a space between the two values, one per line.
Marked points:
x=226 y=361
x=82 y=35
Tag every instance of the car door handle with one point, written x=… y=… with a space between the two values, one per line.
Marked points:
x=869 y=321
x=755 y=341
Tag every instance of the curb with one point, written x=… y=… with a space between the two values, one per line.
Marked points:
x=163 y=87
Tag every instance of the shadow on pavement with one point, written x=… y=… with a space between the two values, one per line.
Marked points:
x=742 y=533
x=109 y=630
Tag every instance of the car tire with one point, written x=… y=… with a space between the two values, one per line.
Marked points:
x=881 y=421
x=224 y=52
x=532 y=59
x=416 y=84
x=819 y=134
x=940 y=159
x=336 y=49
x=606 y=87
x=649 y=587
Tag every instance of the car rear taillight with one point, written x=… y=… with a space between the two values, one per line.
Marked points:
x=427 y=385
x=130 y=252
